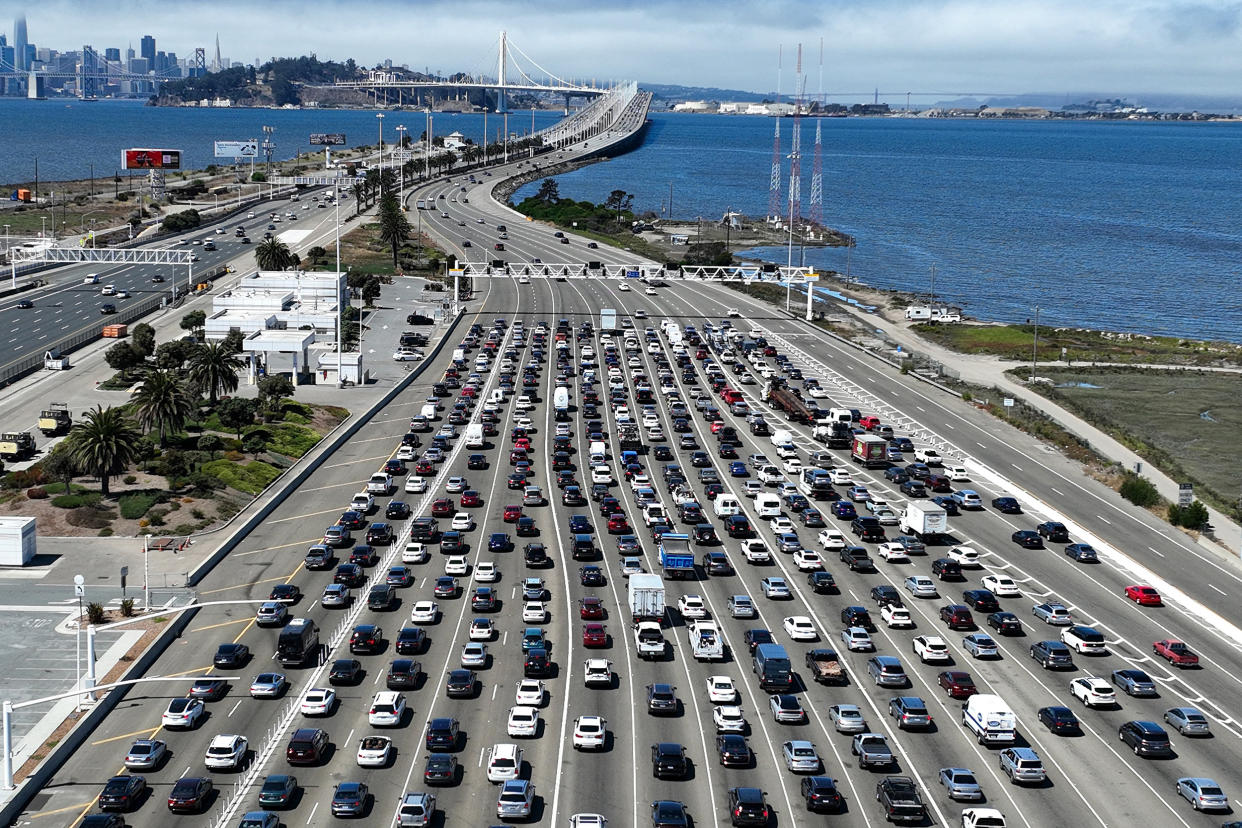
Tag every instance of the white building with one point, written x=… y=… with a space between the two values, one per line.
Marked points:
x=454 y=141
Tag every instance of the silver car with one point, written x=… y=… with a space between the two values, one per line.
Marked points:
x=980 y=645
x=515 y=800
x=335 y=595
x=847 y=718
x=1189 y=721
x=145 y=754
x=960 y=784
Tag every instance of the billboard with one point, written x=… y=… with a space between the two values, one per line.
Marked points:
x=237 y=149
x=327 y=139
x=150 y=159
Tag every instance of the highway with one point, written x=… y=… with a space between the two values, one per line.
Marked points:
x=1093 y=778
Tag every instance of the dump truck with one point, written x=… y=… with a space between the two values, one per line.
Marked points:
x=825 y=666
x=924 y=520
x=869 y=450
x=55 y=420
x=705 y=640
x=646 y=594
x=676 y=557
x=16 y=445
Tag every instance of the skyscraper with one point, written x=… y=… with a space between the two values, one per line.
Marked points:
x=146 y=49
x=20 y=42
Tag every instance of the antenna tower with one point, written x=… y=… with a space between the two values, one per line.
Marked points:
x=795 y=152
x=817 y=170
x=774 y=184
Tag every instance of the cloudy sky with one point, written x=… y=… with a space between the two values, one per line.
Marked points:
x=946 y=47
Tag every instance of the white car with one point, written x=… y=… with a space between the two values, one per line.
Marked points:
x=407 y=453
x=529 y=693
x=456 y=565
x=893 y=552
x=792 y=465
x=1093 y=692
x=847 y=718
x=957 y=474
x=482 y=629
x=226 y=752
x=534 y=611
x=318 y=701
x=692 y=606
x=485 y=572
x=597 y=673
x=840 y=477
x=857 y=639
x=781 y=525
x=523 y=721
x=462 y=522
x=966 y=557
x=474 y=654
x=362 y=502
x=729 y=719
x=896 y=617
x=721 y=690
x=424 y=612
x=623 y=287
x=921 y=586
x=931 y=649
x=387 y=709
x=807 y=560
x=650 y=291
x=590 y=733
x=601 y=474
x=817 y=393
x=407 y=355
x=831 y=539
x=182 y=713
x=415 y=484
x=800 y=628
x=755 y=551
x=374 y=752
x=415 y=553
x=1002 y=586
x=982 y=818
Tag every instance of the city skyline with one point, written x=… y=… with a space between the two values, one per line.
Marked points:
x=950 y=47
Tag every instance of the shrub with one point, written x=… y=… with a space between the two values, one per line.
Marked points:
x=204 y=483
x=88 y=517
x=106 y=532
x=185 y=529
x=156 y=516
x=252 y=477
x=144 y=523
x=292 y=440
x=197 y=514
x=68 y=501
x=37 y=493
x=294 y=407
x=1139 y=490
x=130 y=479
x=95 y=613
x=134 y=506
x=127 y=607
x=1194 y=516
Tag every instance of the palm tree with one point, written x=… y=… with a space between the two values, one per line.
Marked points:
x=162 y=402
x=104 y=443
x=214 y=368
x=272 y=254
x=394 y=226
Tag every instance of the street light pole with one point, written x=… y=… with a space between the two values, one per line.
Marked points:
x=379 y=116
x=401 y=146
x=146 y=575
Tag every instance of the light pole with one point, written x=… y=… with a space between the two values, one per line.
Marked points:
x=401 y=146
x=379 y=116
x=1035 y=344
x=146 y=574
x=43 y=232
x=485 y=136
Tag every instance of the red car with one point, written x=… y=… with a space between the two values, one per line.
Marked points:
x=590 y=607
x=424 y=467
x=716 y=426
x=512 y=513
x=594 y=635
x=958 y=684
x=470 y=498
x=442 y=507
x=617 y=524
x=522 y=443
x=1145 y=595
x=1176 y=652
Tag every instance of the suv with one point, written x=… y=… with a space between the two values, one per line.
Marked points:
x=887 y=671
x=747 y=807
x=1021 y=764
x=1146 y=738
x=1052 y=654
x=306 y=746
x=416 y=810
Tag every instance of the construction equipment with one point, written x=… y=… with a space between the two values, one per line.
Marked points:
x=16 y=445
x=55 y=420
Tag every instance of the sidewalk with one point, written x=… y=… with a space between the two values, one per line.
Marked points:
x=990 y=371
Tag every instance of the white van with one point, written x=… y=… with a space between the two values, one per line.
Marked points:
x=725 y=505
x=767 y=505
x=428 y=412
x=597 y=449
x=504 y=763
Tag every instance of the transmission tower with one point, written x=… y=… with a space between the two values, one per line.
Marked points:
x=774 y=184
x=795 y=153
x=816 y=207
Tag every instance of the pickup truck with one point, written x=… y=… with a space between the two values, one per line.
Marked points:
x=756 y=551
x=900 y=799
x=825 y=666
x=872 y=750
x=649 y=640
x=705 y=640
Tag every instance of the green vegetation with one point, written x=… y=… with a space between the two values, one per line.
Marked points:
x=274 y=254
x=1139 y=490
x=252 y=477
x=181 y=222
x=1015 y=342
x=613 y=214
x=136 y=504
x=285 y=438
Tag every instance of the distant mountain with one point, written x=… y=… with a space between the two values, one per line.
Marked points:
x=676 y=93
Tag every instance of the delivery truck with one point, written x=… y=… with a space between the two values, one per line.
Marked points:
x=560 y=403
x=990 y=719
x=924 y=519
x=870 y=451
x=646 y=597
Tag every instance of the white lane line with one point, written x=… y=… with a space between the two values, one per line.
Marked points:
x=1056 y=492
x=1106 y=520
x=1157 y=551
x=234 y=710
x=311 y=818
x=1218 y=589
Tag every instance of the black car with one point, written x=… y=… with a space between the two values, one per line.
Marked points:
x=981 y=600
x=821 y=794
x=867 y=528
x=1027 y=539
x=821 y=582
x=662 y=699
x=756 y=636
x=946 y=569
x=949 y=505
x=738 y=526
x=896 y=474
x=716 y=563
x=537 y=664
x=189 y=793
x=668 y=761
x=1007 y=505
x=1059 y=720
x=1082 y=552
x=886 y=594
x=397 y=510
x=747 y=806
x=669 y=813
x=857 y=617
x=349 y=574
x=1054 y=531
x=1005 y=623
x=123 y=793
x=592 y=575
x=443 y=734
x=350 y=799
x=403 y=674
x=914 y=488
x=285 y=592
x=411 y=641
x=102 y=820
x=345 y=671
x=476 y=461
x=231 y=655
x=535 y=554
x=278 y=791
x=459 y=684
x=857 y=559
x=1052 y=654
x=733 y=750
x=1146 y=738
x=367 y=638
x=440 y=769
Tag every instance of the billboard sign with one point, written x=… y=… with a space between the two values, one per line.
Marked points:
x=151 y=159
x=237 y=149
x=327 y=139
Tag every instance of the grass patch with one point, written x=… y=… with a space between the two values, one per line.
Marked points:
x=252 y=477
x=1186 y=423
x=336 y=411
x=59 y=488
x=135 y=505
x=1015 y=342
x=68 y=501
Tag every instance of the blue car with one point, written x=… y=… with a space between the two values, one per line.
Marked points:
x=844 y=510
x=350 y=799
x=738 y=469
x=499 y=542
x=580 y=524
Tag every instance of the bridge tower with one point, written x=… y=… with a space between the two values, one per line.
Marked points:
x=502 y=74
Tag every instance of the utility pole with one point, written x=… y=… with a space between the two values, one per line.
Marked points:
x=1035 y=345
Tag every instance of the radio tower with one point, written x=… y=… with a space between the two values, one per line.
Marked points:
x=795 y=152
x=774 y=184
x=817 y=171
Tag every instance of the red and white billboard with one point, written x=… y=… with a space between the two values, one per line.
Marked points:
x=151 y=159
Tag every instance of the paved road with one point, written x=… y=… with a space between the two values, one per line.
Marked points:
x=617 y=781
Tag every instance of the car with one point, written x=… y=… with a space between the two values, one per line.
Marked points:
x=350 y=799
x=1144 y=595
x=268 y=685
x=440 y=769
x=534 y=611
x=831 y=539
x=669 y=761
x=728 y=718
x=887 y=671
x=980 y=645
x=1093 y=692
x=523 y=721
x=786 y=708
x=279 y=790
x=366 y=639
x=800 y=628
x=189 y=794
x=590 y=733
x=1022 y=765
x=146 y=754
x=226 y=752
x=445 y=587
x=931 y=649
x=921 y=586
x=967 y=499
x=424 y=612
x=318 y=701
x=910 y=712
x=410 y=641
x=1202 y=793
x=1188 y=721
x=896 y=617
x=208 y=689
x=667 y=813
x=231 y=656
x=662 y=699
x=443 y=733
x=957 y=617
x=474 y=654
x=1176 y=653
x=807 y=560
x=183 y=713
x=1053 y=613
x=1005 y=623
x=345 y=671
x=960 y=784
x=1145 y=738
x=843 y=510
x=774 y=589
x=1082 y=552
x=982 y=818
x=122 y=793
x=1059 y=720
x=732 y=750
x=1054 y=531
x=800 y=756
x=517 y=796
x=1027 y=539
x=692 y=606
x=1084 y=639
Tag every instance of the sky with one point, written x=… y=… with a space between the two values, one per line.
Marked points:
x=936 y=47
